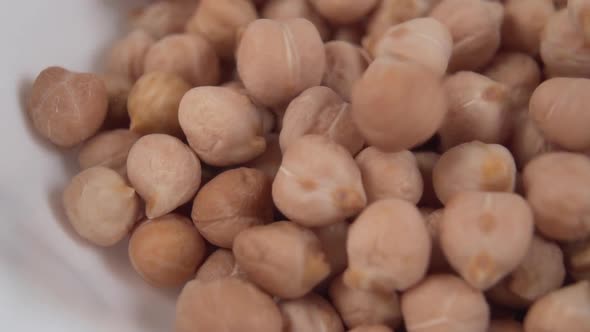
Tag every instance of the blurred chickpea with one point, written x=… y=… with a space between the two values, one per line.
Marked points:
x=438 y=261
x=320 y=111
x=389 y=98
x=578 y=259
x=269 y=161
x=277 y=60
x=221 y=125
x=282 y=258
x=485 y=236
x=220 y=20
x=579 y=12
x=523 y=24
x=426 y=162
x=227 y=304
x=310 y=313
x=162 y=18
x=67 y=107
x=286 y=9
x=527 y=141
x=371 y=328
x=557 y=187
x=505 y=326
x=333 y=239
x=345 y=65
x=118 y=88
x=153 y=103
x=101 y=207
x=108 y=149
x=220 y=264
x=425 y=41
x=127 y=55
x=318 y=191
x=566 y=309
x=165 y=172
x=475 y=27
x=444 y=303
x=341 y=12
x=359 y=307
x=479 y=109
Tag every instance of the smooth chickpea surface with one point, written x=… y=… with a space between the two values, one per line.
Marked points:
x=341 y=12
x=127 y=55
x=108 y=149
x=220 y=264
x=310 y=313
x=579 y=13
x=100 y=205
x=371 y=328
x=523 y=24
x=286 y=9
x=162 y=18
x=426 y=162
x=505 y=326
x=67 y=107
x=333 y=239
x=345 y=65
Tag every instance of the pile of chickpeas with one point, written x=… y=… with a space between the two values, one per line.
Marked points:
x=332 y=165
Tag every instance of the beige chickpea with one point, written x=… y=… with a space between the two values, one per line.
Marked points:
x=269 y=161
x=505 y=326
x=557 y=187
x=162 y=18
x=371 y=328
x=444 y=303
x=479 y=109
x=388 y=247
x=286 y=9
x=220 y=21
x=345 y=64
x=578 y=259
x=523 y=24
x=566 y=309
x=231 y=202
x=474 y=166
x=153 y=103
x=318 y=191
x=277 y=60
x=359 y=307
x=310 y=313
x=425 y=41
x=426 y=162
x=118 y=88
x=101 y=207
x=558 y=108
x=485 y=236
x=188 y=56
x=333 y=239
x=475 y=27
x=222 y=125
x=268 y=116
x=282 y=258
x=390 y=175
x=165 y=172
x=227 y=304
x=320 y=111
x=389 y=98
x=220 y=264
x=127 y=55
x=108 y=149
x=166 y=251
x=527 y=141
x=438 y=261
x=579 y=13
x=67 y=107
x=341 y=12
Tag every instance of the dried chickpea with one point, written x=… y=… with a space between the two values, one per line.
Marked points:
x=162 y=18
x=485 y=236
x=557 y=187
x=101 y=207
x=388 y=247
x=566 y=309
x=67 y=107
x=166 y=251
x=269 y=161
x=333 y=239
x=320 y=111
x=359 y=307
x=345 y=64
x=389 y=98
x=221 y=125
x=319 y=191
x=286 y=9
x=220 y=264
x=523 y=24
x=310 y=313
x=578 y=259
x=282 y=258
x=426 y=162
x=390 y=175
x=127 y=55
x=474 y=166
x=579 y=13
x=444 y=303
x=118 y=88
x=227 y=304
x=371 y=328
x=153 y=103
x=527 y=141
x=108 y=149
x=341 y=12
x=505 y=326
x=277 y=60
x=165 y=172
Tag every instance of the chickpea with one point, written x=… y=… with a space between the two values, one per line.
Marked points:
x=345 y=65
x=523 y=24
x=390 y=175
x=227 y=304
x=153 y=103
x=474 y=166
x=220 y=264
x=388 y=247
x=426 y=162
x=320 y=111
x=485 y=236
x=321 y=191
x=475 y=27
x=165 y=172
x=277 y=60
x=101 y=207
x=561 y=213
x=566 y=309
x=127 y=55
x=341 y=12
x=108 y=149
x=389 y=98
x=286 y=9
x=310 y=313
x=579 y=14
x=67 y=107
x=269 y=161
x=162 y=18
x=282 y=258
x=333 y=239
x=578 y=259
x=444 y=303
x=118 y=88
x=359 y=307
x=371 y=328
x=438 y=261
x=221 y=125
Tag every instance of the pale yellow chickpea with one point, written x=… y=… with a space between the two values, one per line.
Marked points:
x=108 y=149
x=269 y=161
x=578 y=259
x=310 y=313
x=162 y=18
x=333 y=239
x=341 y=12
x=285 y=9
x=345 y=64
x=579 y=12
x=371 y=328
x=523 y=24
x=127 y=55
x=220 y=264
x=118 y=88
x=505 y=326
x=426 y=162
